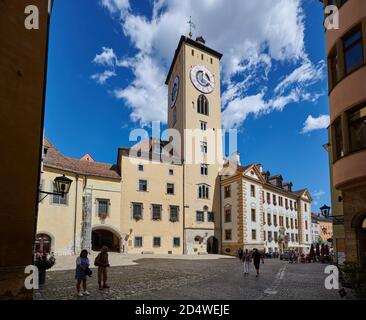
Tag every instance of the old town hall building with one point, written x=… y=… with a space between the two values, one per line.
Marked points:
x=176 y=207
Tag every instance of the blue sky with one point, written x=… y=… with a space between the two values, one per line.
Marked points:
x=108 y=60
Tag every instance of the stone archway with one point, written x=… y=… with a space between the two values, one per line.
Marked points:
x=212 y=245
x=105 y=237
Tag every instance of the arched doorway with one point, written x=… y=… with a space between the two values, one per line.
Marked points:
x=361 y=239
x=102 y=237
x=43 y=243
x=212 y=245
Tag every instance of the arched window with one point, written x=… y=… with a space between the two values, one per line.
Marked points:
x=203 y=105
x=203 y=191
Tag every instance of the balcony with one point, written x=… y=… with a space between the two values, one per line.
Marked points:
x=350 y=170
x=348 y=92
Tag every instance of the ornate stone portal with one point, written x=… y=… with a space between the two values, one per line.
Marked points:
x=282 y=240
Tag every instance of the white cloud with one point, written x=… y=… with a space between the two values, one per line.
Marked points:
x=252 y=35
x=311 y=123
x=115 y=6
x=106 y=58
x=102 y=78
x=307 y=74
x=238 y=109
x=146 y=95
x=318 y=196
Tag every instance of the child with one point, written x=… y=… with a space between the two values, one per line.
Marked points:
x=82 y=263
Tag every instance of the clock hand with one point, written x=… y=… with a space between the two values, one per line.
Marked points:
x=206 y=78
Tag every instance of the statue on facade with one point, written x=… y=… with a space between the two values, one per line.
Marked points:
x=282 y=240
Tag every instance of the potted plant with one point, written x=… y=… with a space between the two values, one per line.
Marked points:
x=173 y=219
x=103 y=216
x=137 y=217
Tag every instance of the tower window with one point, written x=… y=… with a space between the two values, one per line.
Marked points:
x=203 y=192
x=204 y=147
x=211 y=61
x=203 y=105
x=203 y=125
x=202 y=56
x=204 y=169
x=192 y=53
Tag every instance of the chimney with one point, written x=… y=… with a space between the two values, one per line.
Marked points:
x=201 y=40
x=276 y=181
x=266 y=175
x=287 y=186
x=235 y=156
x=260 y=167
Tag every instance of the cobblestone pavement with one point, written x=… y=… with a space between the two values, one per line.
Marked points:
x=222 y=279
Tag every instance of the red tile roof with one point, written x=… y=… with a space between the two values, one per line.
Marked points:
x=54 y=159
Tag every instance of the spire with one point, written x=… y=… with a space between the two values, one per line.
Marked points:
x=191 y=26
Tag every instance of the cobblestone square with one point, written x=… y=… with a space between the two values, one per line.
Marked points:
x=198 y=279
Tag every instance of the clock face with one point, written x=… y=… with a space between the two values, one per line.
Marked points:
x=202 y=79
x=175 y=91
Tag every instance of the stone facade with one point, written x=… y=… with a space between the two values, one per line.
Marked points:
x=260 y=213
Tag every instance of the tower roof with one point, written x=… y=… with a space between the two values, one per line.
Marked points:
x=198 y=45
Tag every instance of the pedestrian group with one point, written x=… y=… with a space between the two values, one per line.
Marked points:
x=246 y=257
x=83 y=271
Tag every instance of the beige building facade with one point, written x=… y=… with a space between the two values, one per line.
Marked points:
x=162 y=197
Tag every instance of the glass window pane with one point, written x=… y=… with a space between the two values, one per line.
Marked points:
x=354 y=57
x=352 y=39
x=357 y=128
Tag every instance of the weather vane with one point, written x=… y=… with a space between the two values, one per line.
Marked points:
x=191 y=26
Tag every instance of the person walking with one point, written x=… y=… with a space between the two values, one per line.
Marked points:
x=257 y=257
x=240 y=254
x=246 y=261
x=102 y=262
x=82 y=264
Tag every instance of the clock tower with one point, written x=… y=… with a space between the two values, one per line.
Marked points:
x=194 y=103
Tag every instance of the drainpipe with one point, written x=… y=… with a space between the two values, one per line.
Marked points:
x=184 y=213
x=75 y=211
x=220 y=225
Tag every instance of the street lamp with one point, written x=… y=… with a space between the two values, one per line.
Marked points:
x=62 y=185
x=325 y=211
